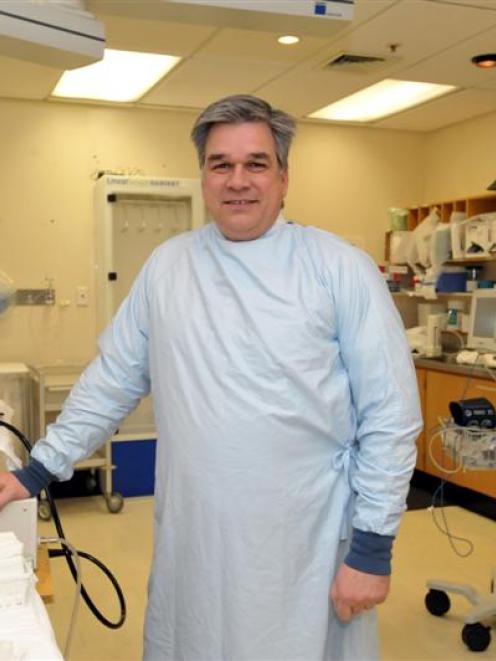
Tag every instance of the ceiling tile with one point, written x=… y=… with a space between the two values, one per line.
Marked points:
x=478 y=4
x=421 y=28
x=453 y=66
x=452 y=108
x=262 y=45
x=317 y=87
x=204 y=78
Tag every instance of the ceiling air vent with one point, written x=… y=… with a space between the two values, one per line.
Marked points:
x=353 y=62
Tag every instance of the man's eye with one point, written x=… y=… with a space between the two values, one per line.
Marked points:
x=257 y=166
x=219 y=167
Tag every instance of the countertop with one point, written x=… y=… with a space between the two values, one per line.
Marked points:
x=447 y=363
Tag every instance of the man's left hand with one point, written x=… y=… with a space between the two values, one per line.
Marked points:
x=354 y=591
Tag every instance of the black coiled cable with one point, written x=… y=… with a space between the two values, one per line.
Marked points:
x=55 y=553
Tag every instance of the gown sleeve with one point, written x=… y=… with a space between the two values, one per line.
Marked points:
x=107 y=391
x=384 y=392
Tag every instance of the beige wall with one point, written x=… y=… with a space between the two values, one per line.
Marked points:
x=459 y=160
x=342 y=179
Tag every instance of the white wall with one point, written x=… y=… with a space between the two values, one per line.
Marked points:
x=342 y=179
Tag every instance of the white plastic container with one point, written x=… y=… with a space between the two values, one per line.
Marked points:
x=14 y=589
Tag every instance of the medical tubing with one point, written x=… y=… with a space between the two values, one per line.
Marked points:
x=76 y=555
x=68 y=556
x=55 y=553
x=446 y=530
x=432 y=458
x=469 y=377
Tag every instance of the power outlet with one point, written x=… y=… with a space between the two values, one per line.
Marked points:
x=82 y=296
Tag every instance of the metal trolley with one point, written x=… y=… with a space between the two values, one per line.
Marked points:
x=50 y=387
x=471 y=448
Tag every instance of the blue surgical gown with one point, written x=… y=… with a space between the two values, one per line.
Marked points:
x=286 y=410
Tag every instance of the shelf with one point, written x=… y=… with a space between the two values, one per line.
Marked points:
x=471 y=206
x=53 y=408
x=472 y=260
x=439 y=294
x=51 y=386
x=92 y=462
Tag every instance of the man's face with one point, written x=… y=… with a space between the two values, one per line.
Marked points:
x=243 y=184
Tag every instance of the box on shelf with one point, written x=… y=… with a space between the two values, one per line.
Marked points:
x=452 y=279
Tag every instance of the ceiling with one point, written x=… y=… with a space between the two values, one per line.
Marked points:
x=423 y=40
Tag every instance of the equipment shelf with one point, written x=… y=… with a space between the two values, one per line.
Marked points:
x=51 y=384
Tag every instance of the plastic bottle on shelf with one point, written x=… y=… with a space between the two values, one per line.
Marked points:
x=473 y=274
x=454 y=316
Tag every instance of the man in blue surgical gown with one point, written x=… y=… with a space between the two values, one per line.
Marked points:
x=286 y=410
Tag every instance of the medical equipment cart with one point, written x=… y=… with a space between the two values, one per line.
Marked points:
x=471 y=448
x=51 y=385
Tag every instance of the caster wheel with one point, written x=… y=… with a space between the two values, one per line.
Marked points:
x=91 y=484
x=437 y=602
x=476 y=637
x=44 y=511
x=115 y=502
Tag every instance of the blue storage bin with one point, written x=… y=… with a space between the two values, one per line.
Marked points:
x=452 y=282
x=134 y=461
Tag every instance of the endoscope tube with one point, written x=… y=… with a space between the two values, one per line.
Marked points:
x=68 y=556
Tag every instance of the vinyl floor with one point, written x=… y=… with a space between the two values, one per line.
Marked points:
x=408 y=632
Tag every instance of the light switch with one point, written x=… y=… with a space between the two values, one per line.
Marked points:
x=82 y=296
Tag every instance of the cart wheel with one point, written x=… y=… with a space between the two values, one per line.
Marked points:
x=115 y=502
x=44 y=511
x=476 y=637
x=91 y=483
x=437 y=602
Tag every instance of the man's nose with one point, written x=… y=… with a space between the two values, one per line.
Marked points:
x=238 y=178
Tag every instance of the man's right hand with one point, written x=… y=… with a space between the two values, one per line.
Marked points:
x=11 y=489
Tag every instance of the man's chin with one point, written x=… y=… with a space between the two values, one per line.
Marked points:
x=242 y=229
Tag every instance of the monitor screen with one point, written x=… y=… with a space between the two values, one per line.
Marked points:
x=482 y=326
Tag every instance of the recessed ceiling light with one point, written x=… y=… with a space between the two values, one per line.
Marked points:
x=288 y=40
x=121 y=76
x=486 y=61
x=379 y=100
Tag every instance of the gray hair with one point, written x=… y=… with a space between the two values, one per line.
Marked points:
x=245 y=108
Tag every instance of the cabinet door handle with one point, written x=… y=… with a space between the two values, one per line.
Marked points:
x=58 y=388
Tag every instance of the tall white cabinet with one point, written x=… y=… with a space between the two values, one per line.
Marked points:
x=133 y=215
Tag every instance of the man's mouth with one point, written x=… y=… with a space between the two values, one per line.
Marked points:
x=240 y=202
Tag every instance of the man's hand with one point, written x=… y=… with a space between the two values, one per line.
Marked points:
x=11 y=489
x=354 y=591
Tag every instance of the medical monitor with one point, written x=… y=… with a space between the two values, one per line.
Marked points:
x=482 y=322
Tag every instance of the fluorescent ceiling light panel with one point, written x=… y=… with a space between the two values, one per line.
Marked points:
x=379 y=100
x=121 y=76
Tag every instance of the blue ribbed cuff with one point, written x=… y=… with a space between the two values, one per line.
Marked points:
x=370 y=552
x=34 y=477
